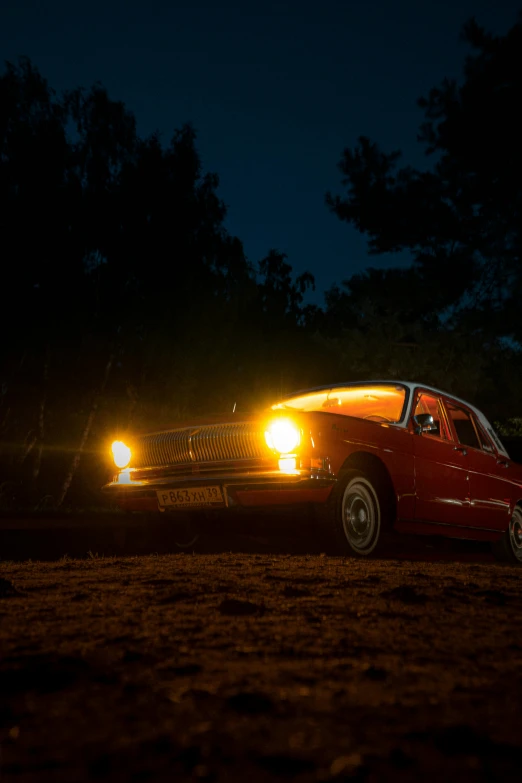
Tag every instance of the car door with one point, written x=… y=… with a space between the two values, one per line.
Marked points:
x=441 y=468
x=489 y=482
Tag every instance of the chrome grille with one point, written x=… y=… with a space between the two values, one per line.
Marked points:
x=210 y=443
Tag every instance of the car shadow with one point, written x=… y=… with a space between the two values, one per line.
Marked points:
x=51 y=540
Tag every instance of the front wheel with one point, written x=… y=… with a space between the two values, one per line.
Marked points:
x=355 y=515
x=509 y=548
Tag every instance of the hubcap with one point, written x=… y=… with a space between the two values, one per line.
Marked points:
x=359 y=517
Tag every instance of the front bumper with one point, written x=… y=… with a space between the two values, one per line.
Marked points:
x=268 y=488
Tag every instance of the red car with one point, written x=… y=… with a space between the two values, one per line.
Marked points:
x=369 y=457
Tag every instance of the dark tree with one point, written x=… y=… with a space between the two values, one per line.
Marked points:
x=462 y=219
x=125 y=301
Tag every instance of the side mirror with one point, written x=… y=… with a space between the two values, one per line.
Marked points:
x=424 y=423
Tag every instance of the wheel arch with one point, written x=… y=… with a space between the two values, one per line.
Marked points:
x=516 y=504
x=503 y=548
x=374 y=468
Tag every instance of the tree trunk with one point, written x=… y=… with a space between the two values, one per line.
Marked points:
x=4 y=393
x=90 y=420
x=41 y=417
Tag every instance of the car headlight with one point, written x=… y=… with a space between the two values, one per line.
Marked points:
x=282 y=435
x=121 y=454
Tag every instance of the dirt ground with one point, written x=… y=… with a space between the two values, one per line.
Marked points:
x=256 y=666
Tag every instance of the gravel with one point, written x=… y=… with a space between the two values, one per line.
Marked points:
x=234 y=666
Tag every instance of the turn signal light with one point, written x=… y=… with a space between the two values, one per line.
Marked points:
x=287 y=464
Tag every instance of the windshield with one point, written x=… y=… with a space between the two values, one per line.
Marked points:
x=377 y=402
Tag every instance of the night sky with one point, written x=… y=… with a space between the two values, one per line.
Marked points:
x=275 y=91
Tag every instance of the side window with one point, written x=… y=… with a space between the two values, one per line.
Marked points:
x=429 y=404
x=484 y=442
x=463 y=426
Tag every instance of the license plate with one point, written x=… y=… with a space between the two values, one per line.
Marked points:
x=185 y=498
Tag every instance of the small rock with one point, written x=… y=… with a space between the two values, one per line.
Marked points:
x=295 y=592
x=400 y=759
x=461 y=739
x=345 y=763
x=496 y=597
x=185 y=671
x=79 y=596
x=201 y=771
x=232 y=607
x=406 y=594
x=250 y=702
x=173 y=598
x=289 y=766
x=8 y=590
x=375 y=673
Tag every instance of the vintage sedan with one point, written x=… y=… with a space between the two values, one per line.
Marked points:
x=370 y=458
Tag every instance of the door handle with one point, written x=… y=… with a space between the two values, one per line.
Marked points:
x=503 y=462
x=462 y=449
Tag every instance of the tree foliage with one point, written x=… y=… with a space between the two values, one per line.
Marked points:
x=119 y=276
x=461 y=220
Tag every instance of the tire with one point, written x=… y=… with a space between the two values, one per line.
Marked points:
x=356 y=515
x=182 y=530
x=509 y=548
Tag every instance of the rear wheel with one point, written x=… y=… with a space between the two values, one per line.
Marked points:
x=356 y=515
x=509 y=548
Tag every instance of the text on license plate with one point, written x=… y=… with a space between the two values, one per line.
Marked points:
x=199 y=496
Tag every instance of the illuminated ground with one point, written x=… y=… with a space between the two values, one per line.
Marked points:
x=250 y=667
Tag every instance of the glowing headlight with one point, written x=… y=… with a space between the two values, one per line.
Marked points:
x=121 y=453
x=282 y=435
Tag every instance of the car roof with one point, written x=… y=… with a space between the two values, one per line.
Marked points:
x=411 y=385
